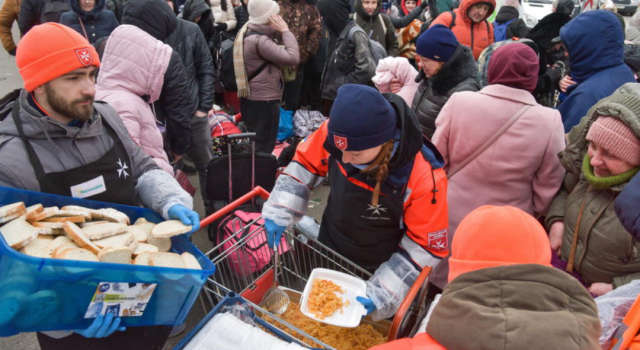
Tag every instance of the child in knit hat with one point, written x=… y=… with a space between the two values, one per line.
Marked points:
x=602 y=155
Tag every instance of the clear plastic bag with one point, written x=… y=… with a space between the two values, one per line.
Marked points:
x=160 y=191
x=389 y=285
x=613 y=307
x=241 y=312
x=287 y=203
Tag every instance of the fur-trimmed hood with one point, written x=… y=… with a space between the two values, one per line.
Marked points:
x=457 y=69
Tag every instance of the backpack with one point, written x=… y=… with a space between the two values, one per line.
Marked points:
x=377 y=50
x=53 y=10
x=500 y=30
x=227 y=73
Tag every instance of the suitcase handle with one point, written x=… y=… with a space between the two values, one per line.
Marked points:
x=256 y=192
x=247 y=135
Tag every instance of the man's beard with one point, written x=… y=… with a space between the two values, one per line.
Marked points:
x=70 y=109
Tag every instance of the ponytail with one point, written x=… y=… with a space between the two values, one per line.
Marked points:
x=379 y=169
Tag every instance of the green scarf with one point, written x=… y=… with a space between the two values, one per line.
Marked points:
x=605 y=182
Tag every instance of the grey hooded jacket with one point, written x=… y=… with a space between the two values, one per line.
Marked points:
x=61 y=147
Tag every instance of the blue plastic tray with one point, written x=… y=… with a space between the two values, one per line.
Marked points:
x=39 y=294
x=231 y=299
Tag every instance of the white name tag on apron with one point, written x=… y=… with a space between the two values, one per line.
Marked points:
x=89 y=188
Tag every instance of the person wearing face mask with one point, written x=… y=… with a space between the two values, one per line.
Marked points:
x=469 y=24
x=602 y=155
x=90 y=19
x=387 y=211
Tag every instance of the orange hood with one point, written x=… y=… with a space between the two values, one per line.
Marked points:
x=466 y=5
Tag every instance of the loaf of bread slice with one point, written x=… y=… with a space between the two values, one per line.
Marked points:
x=12 y=211
x=67 y=213
x=55 y=244
x=169 y=229
x=38 y=246
x=54 y=225
x=118 y=241
x=142 y=259
x=18 y=233
x=78 y=236
x=49 y=231
x=115 y=255
x=140 y=234
x=145 y=248
x=97 y=232
x=45 y=213
x=62 y=248
x=190 y=261
x=78 y=254
x=113 y=215
x=163 y=244
x=167 y=260
x=92 y=223
x=93 y=214
x=141 y=220
x=75 y=219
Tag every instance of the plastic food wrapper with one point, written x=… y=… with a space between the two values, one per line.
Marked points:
x=389 y=285
x=160 y=191
x=287 y=202
x=241 y=312
x=613 y=307
x=309 y=226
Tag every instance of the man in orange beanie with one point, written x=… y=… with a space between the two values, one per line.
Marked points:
x=55 y=139
x=504 y=294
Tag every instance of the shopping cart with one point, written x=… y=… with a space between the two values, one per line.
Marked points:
x=299 y=255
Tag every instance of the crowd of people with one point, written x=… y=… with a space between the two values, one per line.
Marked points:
x=502 y=157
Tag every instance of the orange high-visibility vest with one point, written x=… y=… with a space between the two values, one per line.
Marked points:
x=626 y=337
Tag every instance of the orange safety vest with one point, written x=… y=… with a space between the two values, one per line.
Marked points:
x=627 y=337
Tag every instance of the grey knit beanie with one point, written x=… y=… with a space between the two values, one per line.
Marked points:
x=261 y=10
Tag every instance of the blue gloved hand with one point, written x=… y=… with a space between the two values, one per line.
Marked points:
x=187 y=216
x=102 y=327
x=274 y=232
x=367 y=303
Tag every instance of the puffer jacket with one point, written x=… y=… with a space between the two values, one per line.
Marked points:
x=476 y=36
x=457 y=74
x=242 y=16
x=605 y=252
x=304 y=22
x=269 y=84
x=597 y=63
x=131 y=88
x=349 y=63
x=8 y=14
x=195 y=8
x=185 y=38
x=98 y=23
x=31 y=14
x=378 y=27
x=627 y=207
x=221 y=16
x=517 y=28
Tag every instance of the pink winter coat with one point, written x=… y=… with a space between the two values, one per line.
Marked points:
x=520 y=169
x=133 y=65
x=397 y=68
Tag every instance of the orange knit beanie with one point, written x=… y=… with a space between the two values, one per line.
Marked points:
x=50 y=50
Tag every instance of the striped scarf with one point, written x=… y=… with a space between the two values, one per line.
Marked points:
x=238 y=63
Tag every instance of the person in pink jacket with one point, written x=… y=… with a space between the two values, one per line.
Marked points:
x=521 y=167
x=130 y=80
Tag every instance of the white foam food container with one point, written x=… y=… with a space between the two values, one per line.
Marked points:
x=353 y=287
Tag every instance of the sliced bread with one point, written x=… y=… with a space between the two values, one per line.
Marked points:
x=49 y=231
x=163 y=244
x=139 y=233
x=55 y=244
x=11 y=210
x=55 y=225
x=145 y=248
x=45 y=213
x=92 y=223
x=169 y=229
x=141 y=220
x=115 y=255
x=167 y=260
x=146 y=226
x=118 y=241
x=142 y=259
x=38 y=246
x=62 y=248
x=75 y=219
x=67 y=213
x=11 y=217
x=93 y=214
x=78 y=236
x=190 y=261
x=97 y=232
x=113 y=215
x=18 y=233
x=78 y=254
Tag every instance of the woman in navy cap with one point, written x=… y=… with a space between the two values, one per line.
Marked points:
x=387 y=211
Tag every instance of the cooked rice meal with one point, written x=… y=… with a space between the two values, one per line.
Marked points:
x=324 y=299
x=362 y=337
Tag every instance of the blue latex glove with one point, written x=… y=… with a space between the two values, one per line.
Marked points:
x=274 y=232
x=102 y=327
x=368 y=304
x=187 y=216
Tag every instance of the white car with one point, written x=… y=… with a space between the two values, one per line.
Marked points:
x=535 y=10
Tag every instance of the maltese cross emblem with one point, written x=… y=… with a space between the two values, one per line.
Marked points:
x=123 y=169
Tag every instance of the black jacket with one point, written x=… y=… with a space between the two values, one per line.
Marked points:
x=174 y=105
x=117 y=7
x=98 y=23
x=516 y=28
x=378 y=27
x=185 y=38
x=457 y=74
x=242 y=16
x=195 y=8
x=31 y=13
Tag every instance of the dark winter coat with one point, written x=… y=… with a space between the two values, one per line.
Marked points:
x=195 y=8
x=457 y=74
x=185 y=38
x=98 y=23
x=378 y=27
x=516 y=28
x=597 y=63
x=305 y=24
x=175 y=105
x=117 y=7
x=30 y=14
x=627 y=207
x=242 y=16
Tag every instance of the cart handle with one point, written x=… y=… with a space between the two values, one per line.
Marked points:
x=257 y=191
